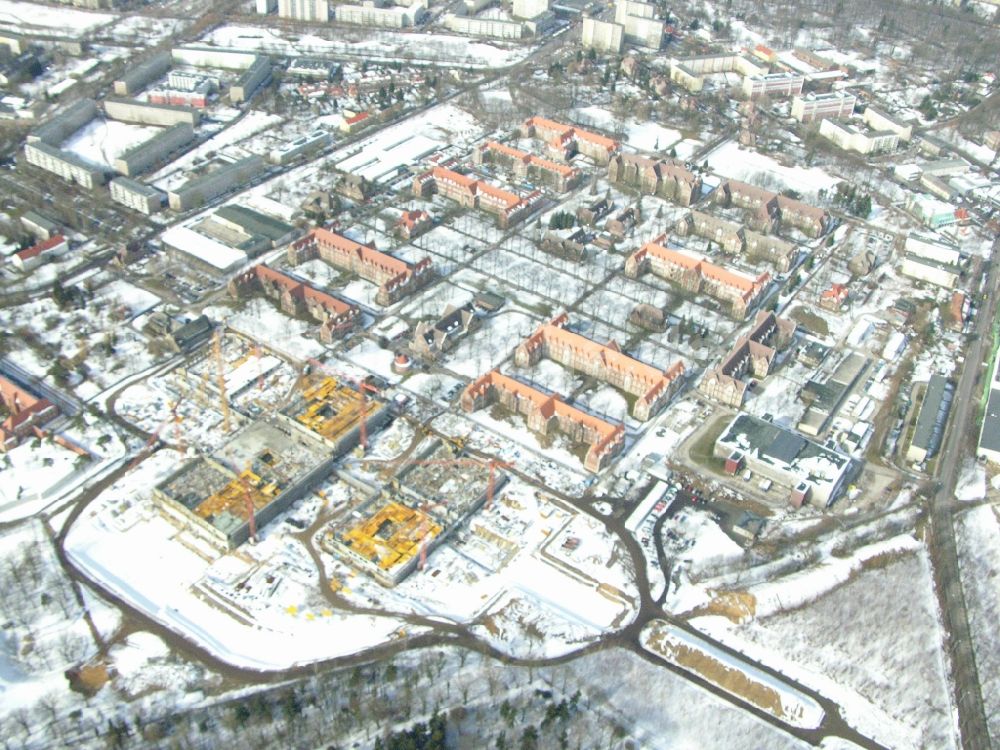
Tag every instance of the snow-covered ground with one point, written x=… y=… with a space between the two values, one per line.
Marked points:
x=102 y=141
x=733 y=161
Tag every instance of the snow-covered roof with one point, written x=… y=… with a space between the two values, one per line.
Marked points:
x=203 y=248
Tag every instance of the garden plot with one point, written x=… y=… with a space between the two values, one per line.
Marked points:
x=485 y=348
x=978 y=537
x=887 y=670
x=606 y=402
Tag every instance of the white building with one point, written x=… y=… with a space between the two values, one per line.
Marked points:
x=529 y=8
x=137 y=196
x=834 y=105
x=933 y=248
x=65 y=164
x=602 y=35
x=487 y=27
x=773 y=84
x=640 y=23
x=924 y=269
x=207 y=253
x=304 y=10
x=266 y=6
x=368 y=14
x=850 y=138
x=878 y=120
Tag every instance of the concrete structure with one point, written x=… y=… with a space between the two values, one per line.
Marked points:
x=544 y=412
x=602 y=35
x=933 y=248
x=656 y=177
x=753 y=352
x=806 y=469
x=931 y=420
x=695 y=274
x=526 y=9
x=931 y=211
x=213 y=57
x=651 y=387
x=563 y=141
x=148 y=154
x=140 y=76
x=835 y=105
x=735 y=239
x=370 y=14
x=297 y=298
x=65 y=164
x=395 y=278
x=251 y=80
x=773 y=85
x=826 y=390
x=142 y=113
x=304 y=10
x=314 y=141
x=31 y=257
x=690 y=72
x=40 y=226
x=850 y=138
x=432 y=339
x=933 y=272
x=254 y=224
x=508 y=207
x=65 y=123
x=200 y=190
x=879 y=120
x=145 y=199
x=203 y=252
x=26 y=414
x=487 y=27
x=528 y=166
x=263 y=7
x=639 y=22
x=313 y=68
x=771 y=210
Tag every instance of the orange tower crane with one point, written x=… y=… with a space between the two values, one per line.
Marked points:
x=153 y=438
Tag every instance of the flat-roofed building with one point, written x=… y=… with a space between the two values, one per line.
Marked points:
x=145 y=199
x=304 y=10
x=834 y=105
x=851 y=138
x=489 y=27
x=64 y=164
x=932 y=271
x=198 y=191
x=140 y=76
x=147 y=154
x=773 y=85
x=602 y=36
x=207 y=254
x=144 y=113
x=251 y=80
x=876 y=119
x=932 y=419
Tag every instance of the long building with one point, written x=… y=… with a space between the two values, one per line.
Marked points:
x=833 y=105
x=639 y=23
x=297 y=298
x=304 y=10
x=524 y=165
x=200 y=190
x=931 y=420
x=753 y=352
x=369 y=14
x=657 y=177
x=213 y=57
x=544 y=412
x=395 y=278
x=143 y=113
x=773 y=209
x=851 y=138
x=690 y=72
x=26 y=413
x=651 y=386
x=489 y=27
x=63 y=125
x=139 y=77
x=564 y=141
x=695 y=274
x=878 y=120
x=251 y=80
x=147 y=154
x=773 y=85
x=65 y=164
x=736 y=239
x=508 y=207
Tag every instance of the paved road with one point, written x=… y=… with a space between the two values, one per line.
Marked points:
x=965 y=676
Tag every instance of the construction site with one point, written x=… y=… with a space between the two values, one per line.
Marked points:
x=427 y=500
x=339 y=415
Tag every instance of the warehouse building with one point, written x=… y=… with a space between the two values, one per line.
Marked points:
x=139 y=197
x=200 y=190
x=142 y=157
x=931 y=421
x=189 y=247
x=255 y=224
x=314 y=141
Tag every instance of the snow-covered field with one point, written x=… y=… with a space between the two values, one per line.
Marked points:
x=60 y=21
x=102 y=141
x=644 y=136
x=733 y=161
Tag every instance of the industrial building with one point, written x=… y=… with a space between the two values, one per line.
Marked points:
x=63 y=125
x=335 y=413
x=395 y=278
x=143 y=113
x=255 y=76
x=64 y=164
x=213 y=57
x=254 y=225
x=544 y=412
x=668 y=180
x=602 y=36
x=935 y=272
x=143 y=156
x=140 y=76
x=835 y=105
x=314 y=141
x=139 y=197
x=931 y=421
x=808 y=470
x=695 y=274
x=192 y=248
x=933 y=248
x=989 y=433
x=564 y=141
x=234 y=493
x=754 y=352
x=297 y=298
x=736 y=239
x=828 y=387
x=508 y=207
x=525 y=165
x=304 y=10
x=199 y=190
x=651 y=386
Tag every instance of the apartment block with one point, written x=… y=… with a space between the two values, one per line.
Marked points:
x=602 y=36
x=149 y=153
x=64 y=164
x=770 y=210
x=753 y=353
x=850 y=138
x=525 y=165
x=835 y=105
x=773 y=85
x=563 y=141
x=655 y=177
x=736 y=239
x=472 y=193
x=135 y=195
x=304 y=10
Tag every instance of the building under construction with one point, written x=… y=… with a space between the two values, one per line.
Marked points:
x=243 y=486
x=335 y=412
x=427 y=500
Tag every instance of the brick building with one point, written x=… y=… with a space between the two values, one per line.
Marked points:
x=26 y=414
x=430 y=339
x=754 y=352
x=413 y=224
x=395 y=278
x=564 y=141
x=695 y=274
x=738 y=240
x=525 y=165
x=652 y=387
x=655 y=177
x=770 y=210
x=508 y=207
x=544 y=412
x=295 y=297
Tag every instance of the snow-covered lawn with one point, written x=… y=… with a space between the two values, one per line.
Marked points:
x=102 y=141
x=645 y=136
x=733 y=161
